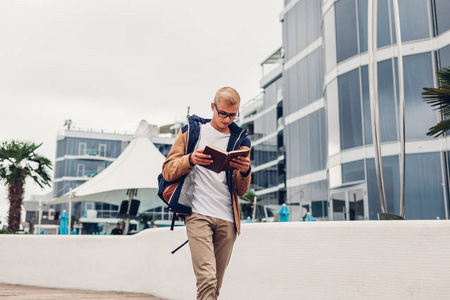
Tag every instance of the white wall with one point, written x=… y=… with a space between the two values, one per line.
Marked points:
x=308 y=260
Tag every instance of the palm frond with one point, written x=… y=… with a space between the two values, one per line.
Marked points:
x=439 y=99
x=19 y=161
x=439 y=129
x=444 y=76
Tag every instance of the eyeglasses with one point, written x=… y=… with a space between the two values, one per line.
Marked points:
x=224 y=115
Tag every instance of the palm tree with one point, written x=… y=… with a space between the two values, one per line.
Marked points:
x=247 y=208
x=18 y=161
x=146 y=219
x=440 y=99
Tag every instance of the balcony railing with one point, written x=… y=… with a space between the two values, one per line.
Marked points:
x=95 y=152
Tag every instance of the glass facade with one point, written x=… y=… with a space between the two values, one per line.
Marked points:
x=350 y=110
x=106 y=210
x=424 y=192
x=418 y=73
x=354 y=118
x=268 y=162
x=301 y=26
x=352 y=17
x=307 y=146
x=304 y=134
x=78 y=159
x=351 y=26
x=81 y=156
x=354 y=90
x=346 y=29
x=327 y=134
x=91 y=147
x=444 y=57
x=414 y=21
x=442 y=7
x=353 y=171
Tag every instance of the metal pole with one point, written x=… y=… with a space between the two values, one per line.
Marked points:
x=70 y=213
x=254 y=209
x=373 y=88
x=40 y=215
x=401 y=90
x=127 y=222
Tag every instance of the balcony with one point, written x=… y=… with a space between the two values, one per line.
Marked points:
x=89 y=155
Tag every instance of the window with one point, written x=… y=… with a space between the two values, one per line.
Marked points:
x=347 y=43
x=292 y=90
x=265 y=152
x=303 y=81
x=366 y=105
x=319 y=199
x=362 y=22
x=307 y=149
x=414 y=20
x=317 y=141
x=80 y=170
x=353 y=171
x=102 y=150
x=419 y=116
x=59 y=169
x=424 y=191
x=314 y=75
x=61 y=148
x=82 y=149
x=391 y=186
x=443 y=20
x=386 y=101
x=444 y=56
x=303 y=152
x=89 y=206
x=301 y=26
x=291 y=34
x=383 y=29
x=350 y=122
x=313 y=19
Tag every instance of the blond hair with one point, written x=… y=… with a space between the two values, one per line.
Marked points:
x=227 y=95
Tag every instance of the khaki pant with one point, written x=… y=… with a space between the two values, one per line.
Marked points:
x=211 y=242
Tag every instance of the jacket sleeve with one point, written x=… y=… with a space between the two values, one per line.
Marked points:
x=243 y=182
x=177 y=162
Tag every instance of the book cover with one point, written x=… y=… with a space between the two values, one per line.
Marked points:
x=221 y=158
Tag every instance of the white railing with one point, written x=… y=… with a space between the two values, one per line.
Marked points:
x=307 y=260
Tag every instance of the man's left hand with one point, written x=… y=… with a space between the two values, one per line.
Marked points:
x=241 y=163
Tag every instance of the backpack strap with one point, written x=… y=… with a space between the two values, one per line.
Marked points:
x=174 y=216
x=173 y=252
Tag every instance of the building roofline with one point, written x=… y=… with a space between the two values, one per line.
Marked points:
x=63 y=133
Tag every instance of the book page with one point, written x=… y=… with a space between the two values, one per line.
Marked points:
x=232 y=155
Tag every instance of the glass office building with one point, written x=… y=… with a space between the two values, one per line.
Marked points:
x=81 y=155
x=262 y=117
x=326 y=117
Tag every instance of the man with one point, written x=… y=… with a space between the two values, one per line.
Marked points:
x=208 y=200
x=117 y=230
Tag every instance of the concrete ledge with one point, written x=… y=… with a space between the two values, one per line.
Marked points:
x=315 y=260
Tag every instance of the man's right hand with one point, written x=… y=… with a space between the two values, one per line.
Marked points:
x=198 y=158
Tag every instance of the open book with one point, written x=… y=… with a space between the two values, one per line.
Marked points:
x=221 y=159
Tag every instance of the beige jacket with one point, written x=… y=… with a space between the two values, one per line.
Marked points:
x=177 y=164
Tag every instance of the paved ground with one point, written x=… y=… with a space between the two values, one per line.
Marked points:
x=21 y=292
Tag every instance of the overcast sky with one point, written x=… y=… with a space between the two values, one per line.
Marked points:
x=107 y=64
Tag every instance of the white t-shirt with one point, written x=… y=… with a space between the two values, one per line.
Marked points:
x=211 y=195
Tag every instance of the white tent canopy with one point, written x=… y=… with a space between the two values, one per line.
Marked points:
x=136 y=168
